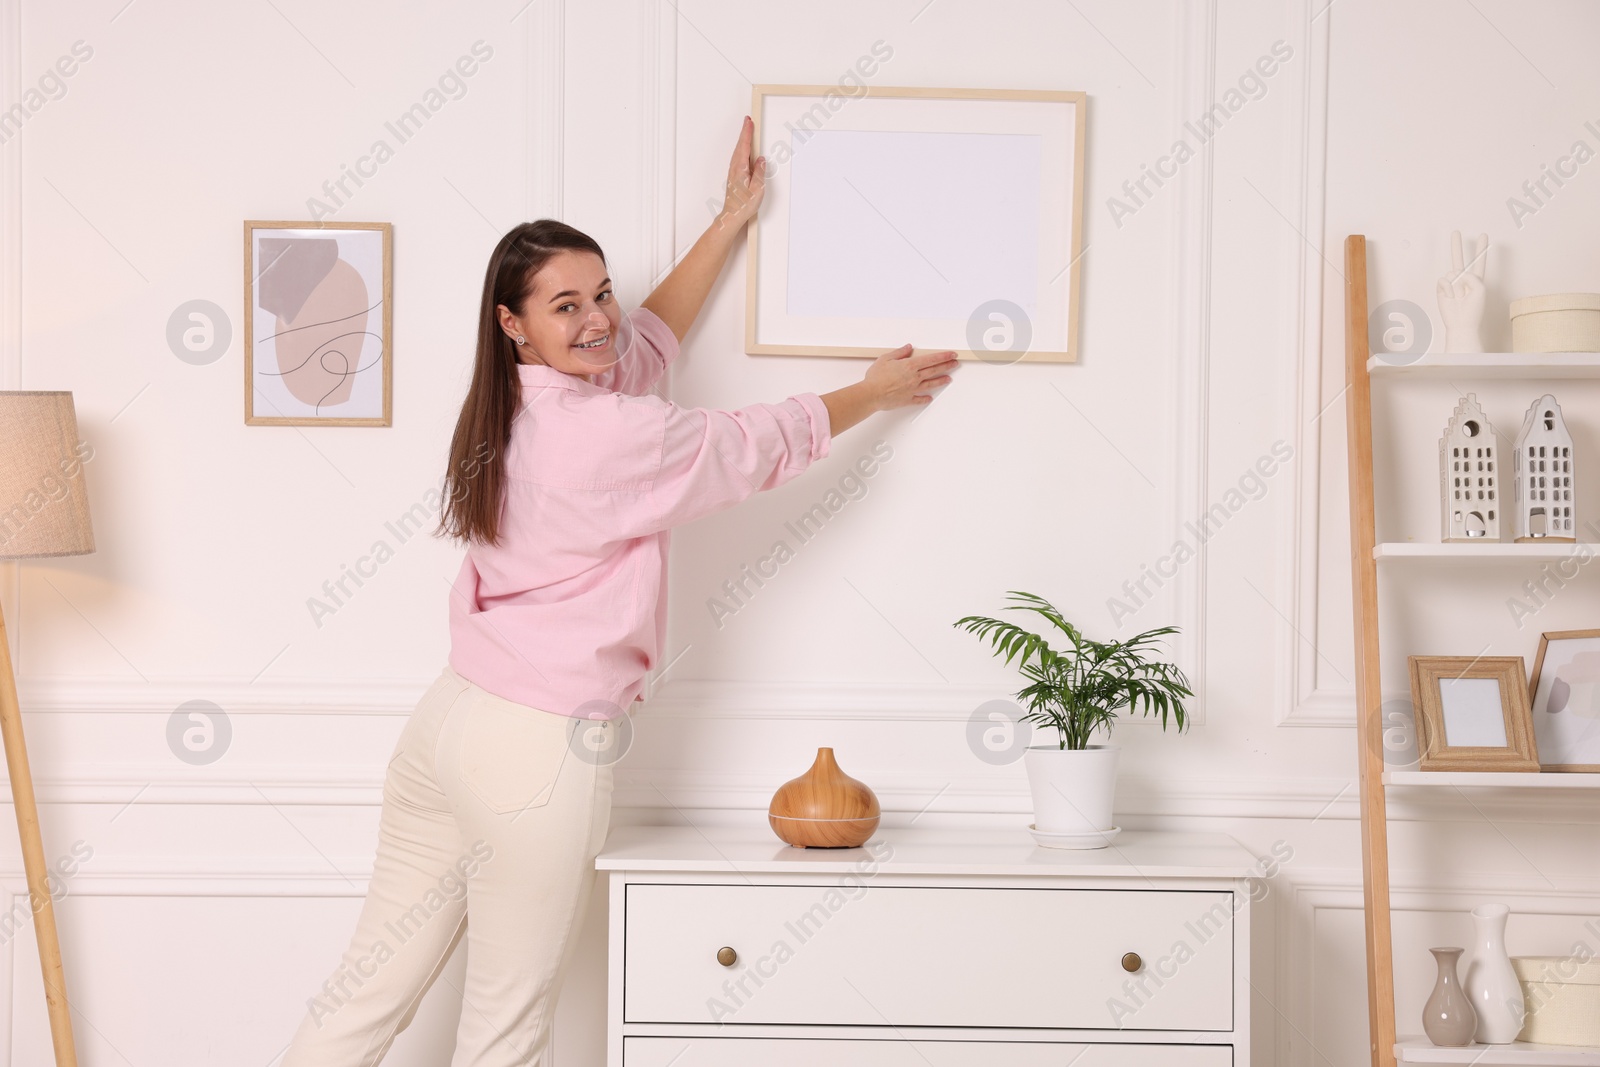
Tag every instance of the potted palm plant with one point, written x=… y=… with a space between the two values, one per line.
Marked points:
x=1078 y=690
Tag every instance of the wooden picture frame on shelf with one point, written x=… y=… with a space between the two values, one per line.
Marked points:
x=1568 y=739
x=1473 y=713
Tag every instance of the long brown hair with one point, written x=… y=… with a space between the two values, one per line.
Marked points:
x=475 y=478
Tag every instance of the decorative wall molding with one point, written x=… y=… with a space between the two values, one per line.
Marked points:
x=1190 y=342
x=658 y=112
x=546 y=27
x=809 y=701
x=1002 y=794
x=675 y=699
x=1150 y=801
x=10 y=378
x=1303 y=703
x=1305 y=889
x=11 y=201
x=73 y=695
x=658 y=177
x=1195 y=29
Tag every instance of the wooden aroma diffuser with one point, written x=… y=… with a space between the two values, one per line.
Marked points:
x=824 y=808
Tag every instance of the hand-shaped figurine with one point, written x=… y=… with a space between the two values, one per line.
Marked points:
x=1461 y=296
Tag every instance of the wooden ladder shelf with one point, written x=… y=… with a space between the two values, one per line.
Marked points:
x=1365 y=552
x=1369 y=685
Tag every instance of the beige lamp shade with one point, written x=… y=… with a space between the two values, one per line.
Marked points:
x=44 y=503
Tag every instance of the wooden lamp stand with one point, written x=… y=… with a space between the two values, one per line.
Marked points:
x=40 y=456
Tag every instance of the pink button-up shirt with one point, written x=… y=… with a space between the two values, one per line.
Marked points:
x=568 y=612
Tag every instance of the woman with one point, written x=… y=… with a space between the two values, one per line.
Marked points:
x=565 y=477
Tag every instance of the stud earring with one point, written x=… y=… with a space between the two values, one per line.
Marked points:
x=521 y=340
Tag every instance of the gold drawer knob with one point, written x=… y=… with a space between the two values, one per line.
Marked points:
x=726 y=956
x=1131 y=961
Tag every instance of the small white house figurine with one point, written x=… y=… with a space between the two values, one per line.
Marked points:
x=1543 y=466
x=1460 y=295
x=1468 y=476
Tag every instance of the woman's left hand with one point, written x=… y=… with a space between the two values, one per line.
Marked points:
x=747 y=180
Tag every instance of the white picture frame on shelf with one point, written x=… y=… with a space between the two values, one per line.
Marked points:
x=947 y=218
x=1565 y=699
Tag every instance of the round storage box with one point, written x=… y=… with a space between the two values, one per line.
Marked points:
x=1562 y=995
x=1562 y=322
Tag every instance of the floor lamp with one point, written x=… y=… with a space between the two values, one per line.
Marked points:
x=44 y=511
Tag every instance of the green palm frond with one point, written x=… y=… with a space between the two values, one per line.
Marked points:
x=1080 y=689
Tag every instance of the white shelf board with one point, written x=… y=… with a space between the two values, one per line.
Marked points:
x=1421 y=1050
x=1490 y=365
x=1497 y=779
x=1502 y=550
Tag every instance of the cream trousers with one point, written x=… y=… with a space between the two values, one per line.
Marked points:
x=493 y=812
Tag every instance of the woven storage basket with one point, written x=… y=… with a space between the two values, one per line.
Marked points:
x=1562 y=322
x=1562 y=994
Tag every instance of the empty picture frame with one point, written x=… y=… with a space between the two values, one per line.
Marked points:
x=947 y=218
x=318 y=323
x=1472 y=713
x=1565 y=691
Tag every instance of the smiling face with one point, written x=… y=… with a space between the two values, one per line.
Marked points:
x=570 y=304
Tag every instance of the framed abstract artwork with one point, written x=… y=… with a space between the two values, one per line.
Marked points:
x=1566 y=700
x=949 y=218
x=1472 y=713
x=318 y=323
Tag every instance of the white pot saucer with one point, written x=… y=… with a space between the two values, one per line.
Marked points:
x=1092 y=839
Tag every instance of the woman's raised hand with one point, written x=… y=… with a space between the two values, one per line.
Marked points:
x=896 y=379
x=900 y=379
x=747 y=180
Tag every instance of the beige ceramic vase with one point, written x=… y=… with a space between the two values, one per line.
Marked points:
x=1448 y=1017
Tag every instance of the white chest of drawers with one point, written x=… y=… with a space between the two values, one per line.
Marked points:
x=949 y=948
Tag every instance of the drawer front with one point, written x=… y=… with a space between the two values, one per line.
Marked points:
x=912 y=956
x=784 y=1052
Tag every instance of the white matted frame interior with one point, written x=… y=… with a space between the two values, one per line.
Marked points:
x=949 y=218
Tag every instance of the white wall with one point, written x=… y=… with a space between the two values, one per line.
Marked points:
x=217 y=897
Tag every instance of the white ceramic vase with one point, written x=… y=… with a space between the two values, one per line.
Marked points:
x=1072 y=788
x=1491 y=982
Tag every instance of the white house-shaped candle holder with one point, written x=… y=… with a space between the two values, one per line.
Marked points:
x=1543 y=466
x=1469 y=476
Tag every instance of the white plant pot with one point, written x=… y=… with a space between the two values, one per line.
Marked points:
x=1072 y=788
